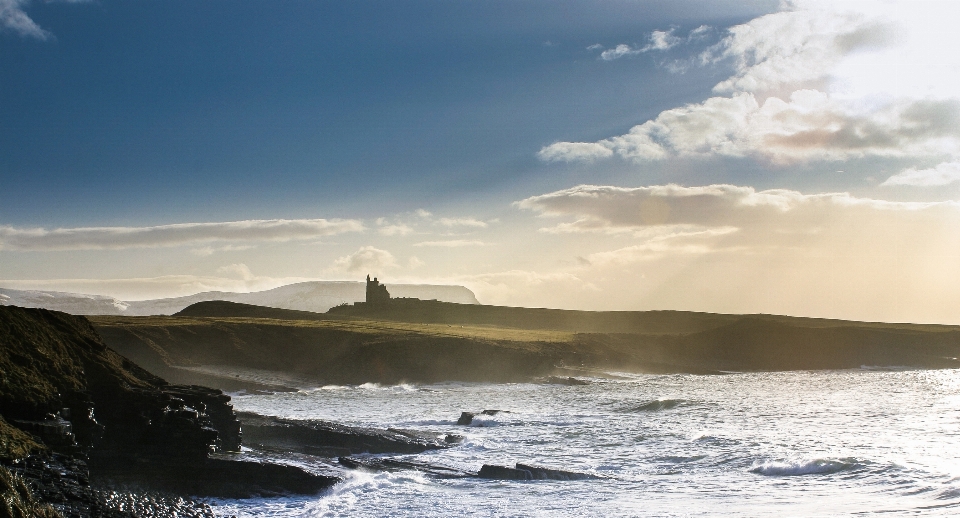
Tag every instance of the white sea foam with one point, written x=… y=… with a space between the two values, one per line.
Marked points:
x=804 y=467
x=740 y=445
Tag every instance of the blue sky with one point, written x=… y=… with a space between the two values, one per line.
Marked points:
x=594 y=155
x=290 y=109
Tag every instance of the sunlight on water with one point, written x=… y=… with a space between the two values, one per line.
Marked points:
x=754 y=444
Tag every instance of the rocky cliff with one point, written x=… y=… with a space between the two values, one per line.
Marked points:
x=72 y=406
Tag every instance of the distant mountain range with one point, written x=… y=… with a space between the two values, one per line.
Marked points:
x=318 y=296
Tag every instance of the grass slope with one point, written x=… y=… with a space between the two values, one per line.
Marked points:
x=452 y=342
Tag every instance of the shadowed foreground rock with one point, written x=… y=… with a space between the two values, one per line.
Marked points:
x=77 y=419
x=332 y=439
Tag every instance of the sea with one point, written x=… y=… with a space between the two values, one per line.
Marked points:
x=815 y=443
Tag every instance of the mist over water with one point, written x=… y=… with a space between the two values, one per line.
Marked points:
x=824 y=443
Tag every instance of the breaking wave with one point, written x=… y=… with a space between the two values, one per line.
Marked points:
x=805 y=467
x=656 y=405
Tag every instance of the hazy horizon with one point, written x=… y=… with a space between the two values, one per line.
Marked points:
x=796 y=158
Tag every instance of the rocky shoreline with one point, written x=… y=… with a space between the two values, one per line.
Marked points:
x=85 y=432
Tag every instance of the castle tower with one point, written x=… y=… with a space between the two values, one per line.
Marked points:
x=377 y=293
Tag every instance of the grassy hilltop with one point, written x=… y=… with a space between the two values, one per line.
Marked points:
x=427 y=341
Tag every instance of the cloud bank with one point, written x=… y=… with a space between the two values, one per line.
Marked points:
x=367 y=259
x=812 y=83
x=98 y=238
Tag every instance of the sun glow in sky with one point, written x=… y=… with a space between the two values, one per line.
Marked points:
x=798 y=158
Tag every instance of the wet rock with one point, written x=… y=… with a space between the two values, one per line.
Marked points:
x=112 y=424
x=317 y=437
x=495 y=472
x=54 y=431
x=467 y=417
x=216 y=406
x=217 y=477
x=388 y=464
x=64 y=482
x=541 y=473
x=528 y=472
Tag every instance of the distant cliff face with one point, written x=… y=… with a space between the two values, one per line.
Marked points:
x=316 y=296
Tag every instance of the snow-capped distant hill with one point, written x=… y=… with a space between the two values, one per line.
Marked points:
x=73 y=303
x=317 y=296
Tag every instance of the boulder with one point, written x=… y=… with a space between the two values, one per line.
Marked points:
x=388 y=464
x=316 y=437
x=466 y=418
x=541 y=473
x=528 y=472
x=495 y=472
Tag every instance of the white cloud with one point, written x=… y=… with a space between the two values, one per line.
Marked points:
x=423 y=213
x=595 y=46
x=737 y=249
x=13 y=18
x=618 y=52
x=461 y=222
x=367 y=258
x=943 y=174
x=524 y=287
x=574 y=151
x=662 y=40
x=599 y=208
x=659 y=40
x=813 y=82
x=699 y=33
x=398 y=229
x=809 y=125
x=96 y=238
x=206 y=251
x=238 y=270
x=453 y=243
x=796 y=47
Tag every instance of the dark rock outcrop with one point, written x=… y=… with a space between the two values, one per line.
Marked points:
x=488 y=471
x=215 y=477
x=466 y=418
x=495 y=472
x=317 y=437
x=541 y=473
x=74 y=414
x=63 y=485
x=215 y=405
x=388 y=464
x=528 y=472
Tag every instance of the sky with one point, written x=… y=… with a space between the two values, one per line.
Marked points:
x=797 y=158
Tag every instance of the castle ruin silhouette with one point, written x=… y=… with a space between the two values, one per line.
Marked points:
x=377 y=293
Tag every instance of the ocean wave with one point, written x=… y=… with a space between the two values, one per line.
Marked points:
x=805 y=467
x=680 y=459
x=484 y=422
x=655 y=405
